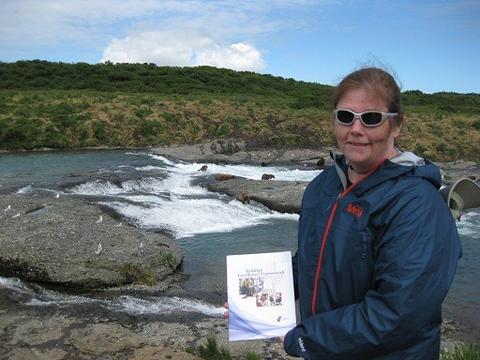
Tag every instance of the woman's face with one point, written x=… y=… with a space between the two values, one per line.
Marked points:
x=364 y=146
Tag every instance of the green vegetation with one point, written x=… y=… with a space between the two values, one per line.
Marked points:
x=252 y=356
x=69 y=106
x=169 y=260
x=134 y=273
x=211 y=351
x=462 y=352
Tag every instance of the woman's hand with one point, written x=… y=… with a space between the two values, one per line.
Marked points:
x=225 y=314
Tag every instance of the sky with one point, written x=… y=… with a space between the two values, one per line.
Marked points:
x=429 y=45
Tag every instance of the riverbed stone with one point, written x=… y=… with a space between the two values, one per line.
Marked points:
x=160 y=352
x=40 y=331
x=98 y=339
x=171 y=334
x=282 y=196
x=37 y=354
x=69 y=242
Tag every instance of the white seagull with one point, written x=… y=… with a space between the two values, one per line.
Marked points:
x=99 y=249
x=100 y=219
x=9 y=207
x=57 y=196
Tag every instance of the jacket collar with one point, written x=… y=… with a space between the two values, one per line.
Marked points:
x=406 y=163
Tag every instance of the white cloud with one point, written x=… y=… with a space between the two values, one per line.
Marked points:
x=163 y=48
x=239 y=56
x=183 y=48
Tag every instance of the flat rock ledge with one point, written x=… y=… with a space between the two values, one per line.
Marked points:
x=281 y=196
x=237 y=152
x=71 y=243
x=27 y=333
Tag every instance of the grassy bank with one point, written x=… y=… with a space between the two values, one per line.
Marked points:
x=69 y=106
x=462 y=351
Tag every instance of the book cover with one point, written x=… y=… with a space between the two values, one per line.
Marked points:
x=261 y=300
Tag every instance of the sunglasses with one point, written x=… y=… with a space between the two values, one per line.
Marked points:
x=367 y=118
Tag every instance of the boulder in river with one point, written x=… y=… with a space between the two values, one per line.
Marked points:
x=61 y=242
x=282 y=196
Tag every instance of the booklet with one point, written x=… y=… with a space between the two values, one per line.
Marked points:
x=261 y=299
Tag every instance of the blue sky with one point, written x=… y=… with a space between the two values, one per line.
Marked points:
x=430 y=45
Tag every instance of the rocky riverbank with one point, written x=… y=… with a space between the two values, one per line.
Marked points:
x=68 y=242
x=87 y=331
x=238 y=152
x=73 y=245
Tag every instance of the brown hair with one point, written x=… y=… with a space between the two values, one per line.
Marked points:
x=380 y=82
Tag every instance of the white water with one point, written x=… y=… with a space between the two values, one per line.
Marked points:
x=187 y=217
x=125 y=303
x=469 y=225
x=25 y=190
x=96 y=188
x=246 y=171
x=184 y=209
x=133 y=305
x=15 y=284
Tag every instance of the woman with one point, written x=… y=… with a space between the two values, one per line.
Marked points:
x=377 y=246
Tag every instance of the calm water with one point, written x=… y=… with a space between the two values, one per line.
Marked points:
x=154 y=192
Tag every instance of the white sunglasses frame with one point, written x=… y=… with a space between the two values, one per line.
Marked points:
x=385 y=116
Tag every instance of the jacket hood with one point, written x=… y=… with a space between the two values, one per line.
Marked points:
x=407 y=158
x=406 y=163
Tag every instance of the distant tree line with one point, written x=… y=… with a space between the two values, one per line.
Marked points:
x=150 y=78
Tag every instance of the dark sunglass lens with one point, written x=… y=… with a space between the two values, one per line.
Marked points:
x=344 y=116
x=372 y=118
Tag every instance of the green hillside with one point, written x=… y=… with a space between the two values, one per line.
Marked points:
x=58 y=105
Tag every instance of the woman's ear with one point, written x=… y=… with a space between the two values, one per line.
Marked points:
x=397 y=126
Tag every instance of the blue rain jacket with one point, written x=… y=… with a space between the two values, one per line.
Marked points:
x=374 y=263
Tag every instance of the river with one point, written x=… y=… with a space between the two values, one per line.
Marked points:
x=157 y=193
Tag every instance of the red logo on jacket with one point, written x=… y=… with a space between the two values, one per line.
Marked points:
x=354 y=209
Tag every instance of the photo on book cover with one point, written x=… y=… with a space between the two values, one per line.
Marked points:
x=260 y=295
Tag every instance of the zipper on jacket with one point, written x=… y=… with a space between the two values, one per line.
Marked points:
x=325 y=235
x=364 y=249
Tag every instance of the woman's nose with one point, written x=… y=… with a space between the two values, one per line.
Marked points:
x=357 y=125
